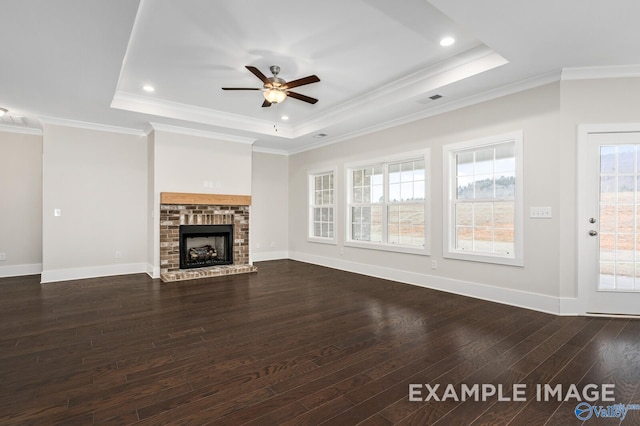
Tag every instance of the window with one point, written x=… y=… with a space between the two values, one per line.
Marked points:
x=386 y=205
x=322 y=206
x=483 y=200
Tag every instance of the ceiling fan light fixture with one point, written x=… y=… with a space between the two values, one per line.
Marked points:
x=274 y=96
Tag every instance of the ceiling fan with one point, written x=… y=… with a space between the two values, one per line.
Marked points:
x=275 y=89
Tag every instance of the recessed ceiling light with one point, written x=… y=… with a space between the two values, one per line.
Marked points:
x=148 y=88
x=447 y=41
x=3 y=111
x=285 y=117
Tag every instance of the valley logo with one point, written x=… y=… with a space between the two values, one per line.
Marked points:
x=584 y=411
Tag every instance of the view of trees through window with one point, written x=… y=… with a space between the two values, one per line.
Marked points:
x=387 y=203
x=484 y=207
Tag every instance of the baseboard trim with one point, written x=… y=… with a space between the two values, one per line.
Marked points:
x=521 y=299
x=56 y=275
x=269 y=255
x=153 y=271
x=20 y=270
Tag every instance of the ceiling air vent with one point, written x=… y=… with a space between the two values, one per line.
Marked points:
x=429 y=99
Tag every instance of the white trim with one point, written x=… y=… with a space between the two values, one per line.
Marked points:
x=424 y=154
x=201 y=133
x=269 y=151
x=153 y=271
x=488 y=95
x=20 y=129
x=518 y=298
x=163 y=108
x=269 y=255
x=584 y=207
x=89 y=126
x=398 y=248
x=448 y=182
x=320 y=240
x=464 y=65
x=20 y=270
x=54 y=275
x=590 y=73
x=311 y=190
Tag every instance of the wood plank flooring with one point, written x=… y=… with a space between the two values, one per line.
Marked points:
x=294 y=344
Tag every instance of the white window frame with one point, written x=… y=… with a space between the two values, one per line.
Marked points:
x=450 y=192
x=385 y=161
x=311 y=175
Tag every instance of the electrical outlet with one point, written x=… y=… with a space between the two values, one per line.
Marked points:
x=118 y=254
x=434 y=264
x=3 y=256
x=273 y=244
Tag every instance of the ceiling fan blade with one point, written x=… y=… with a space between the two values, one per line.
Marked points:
x=239 y=88
x=255 y=71
x=302 y=81
x=266 y=103
x=300 y=97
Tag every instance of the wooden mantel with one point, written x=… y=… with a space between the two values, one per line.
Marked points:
x=204 y=199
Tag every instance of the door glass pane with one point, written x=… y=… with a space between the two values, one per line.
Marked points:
x=619 y=224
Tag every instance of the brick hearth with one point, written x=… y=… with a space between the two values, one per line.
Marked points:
x=202 y=209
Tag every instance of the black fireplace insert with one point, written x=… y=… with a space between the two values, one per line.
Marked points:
x=205 y=245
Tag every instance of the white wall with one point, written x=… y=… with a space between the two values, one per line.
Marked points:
x=21 y=205
x=537 y=113
x=549 y=117
x=98 y=179
x=269 y=208
x=184 y=162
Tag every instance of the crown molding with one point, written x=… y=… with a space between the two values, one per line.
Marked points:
x=163 y=108
x=270 y=151
x=499 y=92
x=20 y=129
x=200 y=133
x=89 y=126
x=466 y=64
x=590 y=73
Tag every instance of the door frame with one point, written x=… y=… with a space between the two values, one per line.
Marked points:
x=584 y=208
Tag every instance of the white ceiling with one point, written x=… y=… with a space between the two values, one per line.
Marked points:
x=378 y=60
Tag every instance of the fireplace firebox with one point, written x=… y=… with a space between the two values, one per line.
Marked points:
x=205 y=245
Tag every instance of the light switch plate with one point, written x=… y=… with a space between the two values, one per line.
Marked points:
x=540 y=212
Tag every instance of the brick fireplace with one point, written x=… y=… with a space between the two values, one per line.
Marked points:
x=178 y=209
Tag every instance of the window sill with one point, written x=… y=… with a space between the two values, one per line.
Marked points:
x=319 y=240
x=484 y=258
x=421 y=251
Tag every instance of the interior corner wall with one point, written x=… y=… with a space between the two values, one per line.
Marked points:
x=195 y=164
x=153 y=268
x=537 y=112
x=269 y=211
x=98 y=182
x=21 y=206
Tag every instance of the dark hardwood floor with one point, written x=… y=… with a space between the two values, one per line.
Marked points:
x=292 y=344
